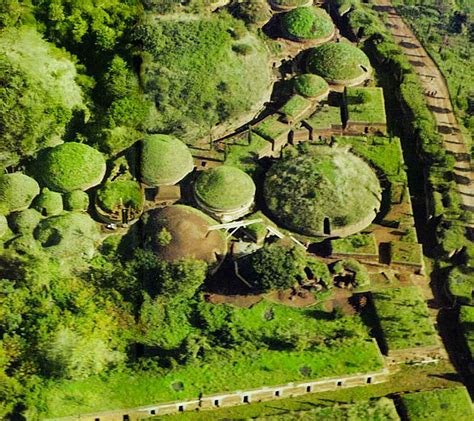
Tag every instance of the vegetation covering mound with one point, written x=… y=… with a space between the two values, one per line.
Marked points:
x=164 y=160
x=337 y=62
x=119 y=194
x=309 y=85
x=71 y=234
x=17 y=191
x=39 y=93
x=49 y=203
x=288 y=4
x=224 y=188
x=76 y=200
x=26 y=221
x=181 y=232
x=3 y=225
x=201 y=71
x=324 y=191
x=72 y=166
x=306 y=23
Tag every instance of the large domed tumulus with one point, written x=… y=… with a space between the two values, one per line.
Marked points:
x=340 y=63
x=181 y=232
x=325 y=192
x=165 y=160
x=225 y=191
x=307 y=23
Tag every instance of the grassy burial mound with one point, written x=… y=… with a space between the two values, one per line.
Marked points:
x=179 y=232
x=117 y=196
x=38 y=96
x=17 y=191
x=72 y=166
x=438 y=405
x=325 y=192
x=202 y=71
x=307 y=23
x=339 y=63
x=76 y=200
x=310 y=86
x=365 y=105
x=225 y=191
x=71 y=234
x=49 y=203
x=165 y=160
x=25 y=222
x=404 y=318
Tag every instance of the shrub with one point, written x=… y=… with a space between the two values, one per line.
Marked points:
x=337 y=62
x=26 y=221
x=461 y=284
x=164 y=160
x=119 y=194
x=17 y=191
x=307 y=23
x=49 y=203
x=76 y=200
x=309 y=85
x=361 y=275
x=72 y=166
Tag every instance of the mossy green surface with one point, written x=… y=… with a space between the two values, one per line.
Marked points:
x=461 y=284
x=71 y=234
x=26 y=221
x=310 y=85
x=466 y=318
x=224 y=188
x=72 y=166
x=337 y=62
x=76 y=200
x=17 y=191
x=295 y=107
x=438 y=405
x=307 y=23
x=402 y=252
x=301 y=192
x=289 y=3
x=120 y=193
x=3 y=225
x=365 y=105
x=355 y=244
x=49 y=203
x=164 y=160
x=404 y=318
x=244 y=155
x=325 y=117
x=271 y=128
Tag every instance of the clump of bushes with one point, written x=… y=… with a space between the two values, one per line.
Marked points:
x=358 y=272
x=120 y=194
x=17 y=191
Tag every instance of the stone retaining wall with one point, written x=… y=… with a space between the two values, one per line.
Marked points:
x=235 y=398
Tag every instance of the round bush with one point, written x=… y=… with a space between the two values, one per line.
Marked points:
x=72 y=166
x=118 y=195
x=338 y=62
x=309 y=85
x=76 y=200
x=165 y=160
x=25 y=221
x=305 y=23
x=323 y=192
x=224 y=188
x=3 y=225
x=17 y=191
x=49 y=203
x=71 y=234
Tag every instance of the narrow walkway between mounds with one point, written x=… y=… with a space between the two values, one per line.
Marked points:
x=440 y=104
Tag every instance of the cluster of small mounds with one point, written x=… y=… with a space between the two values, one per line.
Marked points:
x=327 y=191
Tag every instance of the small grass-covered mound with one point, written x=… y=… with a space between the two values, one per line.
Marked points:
x=307 y=23
x=165 y=160
x=404 y=318
x=71 y=234
x=202 y=70
x=117 y=195
x=72 y=166
x=461 y=284
x=76 y=200
x=49 y=203
x=338 y=62
x=26 y=221
x=325 y=191
x=17 y=191
x=438 y=405
x=181 y=232
x=309 y=85
x=224 y=188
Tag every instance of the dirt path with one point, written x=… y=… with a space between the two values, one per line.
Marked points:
x=440 y=103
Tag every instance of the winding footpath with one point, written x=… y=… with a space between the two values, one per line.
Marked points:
x=440 y=104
